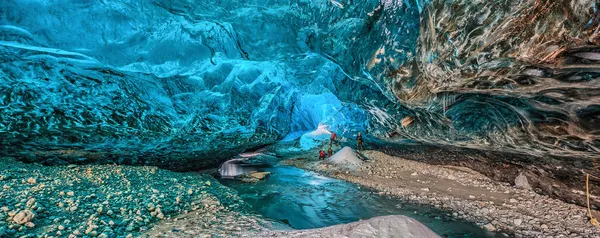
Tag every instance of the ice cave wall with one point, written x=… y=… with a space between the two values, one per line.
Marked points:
x=504 y=75
x=181 y=84
x=187 y=83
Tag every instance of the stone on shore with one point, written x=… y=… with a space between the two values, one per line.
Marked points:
x=522 y=182
x=384 y=226
x=260 y=175
x=489 y=227
x=23 y=217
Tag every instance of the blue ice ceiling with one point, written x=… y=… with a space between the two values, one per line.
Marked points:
x=187 y=83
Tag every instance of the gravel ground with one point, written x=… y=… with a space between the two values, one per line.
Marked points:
x=100 y=200
x=214 y=220
x=467 y=194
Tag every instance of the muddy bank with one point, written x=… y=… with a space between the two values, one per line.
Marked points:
x=468 y=194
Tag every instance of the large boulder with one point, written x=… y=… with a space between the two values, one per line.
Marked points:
x=384 y=226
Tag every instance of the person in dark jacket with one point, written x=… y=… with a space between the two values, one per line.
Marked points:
x=329 y=152
x=359 y=142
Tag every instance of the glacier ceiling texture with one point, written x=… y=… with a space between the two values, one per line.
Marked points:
x=187 y=83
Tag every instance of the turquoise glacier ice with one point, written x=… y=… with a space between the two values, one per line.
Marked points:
x=186 y=84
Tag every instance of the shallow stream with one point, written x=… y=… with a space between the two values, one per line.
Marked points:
x=305 y=200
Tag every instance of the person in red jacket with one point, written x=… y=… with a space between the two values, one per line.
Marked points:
x=333 y=137
x=321 y=154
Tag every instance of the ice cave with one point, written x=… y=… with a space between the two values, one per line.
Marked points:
x=299 y=118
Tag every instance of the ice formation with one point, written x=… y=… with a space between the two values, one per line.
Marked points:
x=186 y=84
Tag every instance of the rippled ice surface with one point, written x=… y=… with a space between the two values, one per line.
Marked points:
x=305 y=200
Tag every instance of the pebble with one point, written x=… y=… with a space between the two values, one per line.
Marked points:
x=31 y=180
x=489 y=227
x=23 y=217
x=517 y=222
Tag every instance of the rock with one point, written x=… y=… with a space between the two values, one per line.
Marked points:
x=29 y=225
x=208 y=183
x=489 y=227
x=70 y=193
x=30 y=202
x=260 y=175
x=517 y=222
x=383 y=226
x=512 y=200
x=521 y=182
x=23 y=217
x=60 y=227
x=544 y=226
x=31 y=180
x=130 y=227
x=414 y=174
x=471 y=197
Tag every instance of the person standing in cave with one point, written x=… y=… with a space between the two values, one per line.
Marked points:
x=321 y=154
x=332 y=140
x=359 y=142
x=329 y=152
